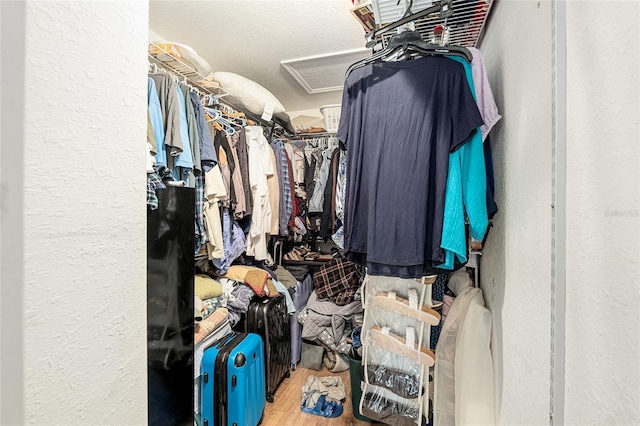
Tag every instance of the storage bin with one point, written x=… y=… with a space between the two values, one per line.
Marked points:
x=331 y=114
x=311 y=356
x=355 y=377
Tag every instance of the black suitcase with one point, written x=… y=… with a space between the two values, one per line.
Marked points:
x=268 y=317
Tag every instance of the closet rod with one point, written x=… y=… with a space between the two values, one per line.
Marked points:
x=315 y=135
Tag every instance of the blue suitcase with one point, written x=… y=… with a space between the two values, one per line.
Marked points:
x=233 y=381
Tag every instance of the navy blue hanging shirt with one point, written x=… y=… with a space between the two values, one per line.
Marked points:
x=400 y=121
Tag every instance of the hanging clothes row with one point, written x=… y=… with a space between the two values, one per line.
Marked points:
x=247 y=189
x=184 y=131
x=416 y=165
x=316 y=171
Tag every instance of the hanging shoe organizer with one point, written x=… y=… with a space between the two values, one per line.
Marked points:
x=397 y=357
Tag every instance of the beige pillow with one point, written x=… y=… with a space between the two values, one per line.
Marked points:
x=239 y=272
x=206 y=287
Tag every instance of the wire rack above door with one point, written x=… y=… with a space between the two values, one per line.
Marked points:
x=464 y=27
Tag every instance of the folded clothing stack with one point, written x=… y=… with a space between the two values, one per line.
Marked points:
x=323 y=396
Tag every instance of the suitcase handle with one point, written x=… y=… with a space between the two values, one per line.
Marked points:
x=230 y=338
x=226 y=339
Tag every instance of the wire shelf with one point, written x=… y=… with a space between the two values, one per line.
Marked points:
x=465 y=27
x=181 y=68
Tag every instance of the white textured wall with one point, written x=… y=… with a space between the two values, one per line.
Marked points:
x=309 y=112
x=12 y=38
x=85 y=213
x=603 y=214
x=516 y=264
x=154 y=36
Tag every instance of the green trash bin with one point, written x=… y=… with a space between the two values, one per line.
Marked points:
x=355 y=365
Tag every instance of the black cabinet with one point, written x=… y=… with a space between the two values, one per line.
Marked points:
x=170 y=271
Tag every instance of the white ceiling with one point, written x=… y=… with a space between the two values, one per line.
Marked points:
x=251 y=37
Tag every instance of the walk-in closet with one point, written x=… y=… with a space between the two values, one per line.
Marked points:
x=305 y=212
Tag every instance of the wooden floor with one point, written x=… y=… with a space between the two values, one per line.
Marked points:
x=285 y=410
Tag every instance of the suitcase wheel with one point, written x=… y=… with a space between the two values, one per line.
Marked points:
x=287 y=374
x=270 y=397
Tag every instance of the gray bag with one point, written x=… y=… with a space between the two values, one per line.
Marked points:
x=311 y=356
x=300 y=298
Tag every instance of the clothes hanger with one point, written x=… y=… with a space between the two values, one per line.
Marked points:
x=213 y=113
x=236 y=114
x=228 y=127
x=204 y=99
x=214 y=116
x=413 y=39
x=226 y=108
x=236 y=118
x=403 y=346
x=411 y=42
x=217 y=117
x=394 y=303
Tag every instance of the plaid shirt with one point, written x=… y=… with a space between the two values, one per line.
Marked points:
x=153 y=182
x=287 y=179
x=338 y=281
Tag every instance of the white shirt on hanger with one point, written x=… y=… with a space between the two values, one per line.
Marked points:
x=260 y=168
x=214 y=191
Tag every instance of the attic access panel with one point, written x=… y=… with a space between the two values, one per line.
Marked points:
x=323 y=73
